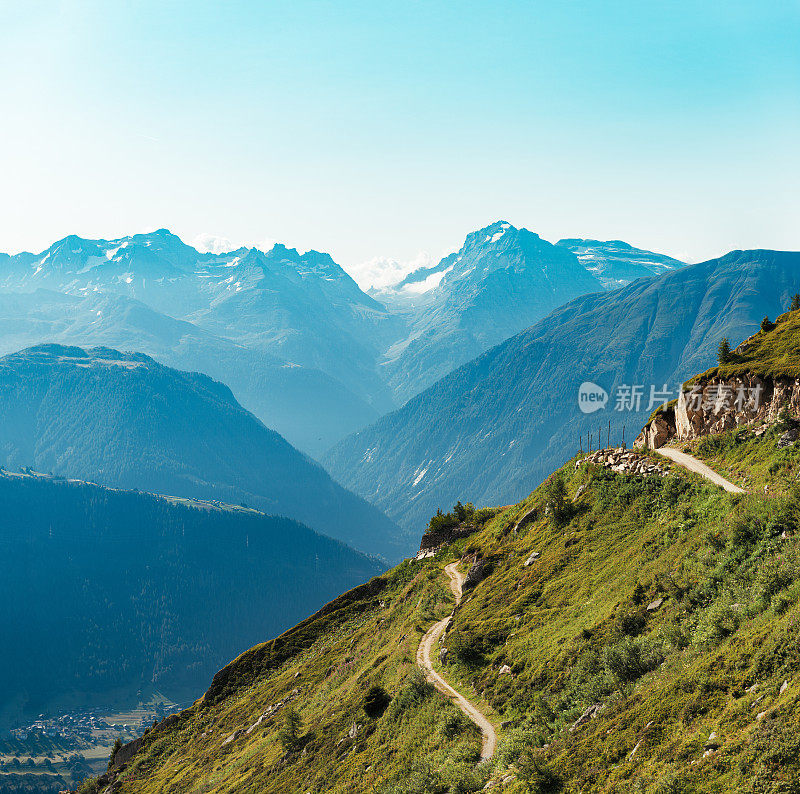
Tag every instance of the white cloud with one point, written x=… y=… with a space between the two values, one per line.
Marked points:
x=212 y=243
x=215 y=244
x=383 y=271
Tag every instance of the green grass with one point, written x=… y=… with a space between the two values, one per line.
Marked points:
x=771 y=354
x=755 y=464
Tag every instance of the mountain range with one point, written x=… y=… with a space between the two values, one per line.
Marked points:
x=300 y=345
x=497 y=426
x=126 y=421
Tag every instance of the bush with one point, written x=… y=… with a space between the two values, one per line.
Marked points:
x=556 y=503
x=415 y=690
x=720 y=620
x=537 y=775
x=376 y=701
x=289 y=735
x=630 y=658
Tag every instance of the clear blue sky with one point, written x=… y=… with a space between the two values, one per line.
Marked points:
x=382 y=129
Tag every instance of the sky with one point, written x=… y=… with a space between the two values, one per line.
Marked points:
x=384 y=132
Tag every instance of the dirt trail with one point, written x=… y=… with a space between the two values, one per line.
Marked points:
x=697 y=466
x=424 y=662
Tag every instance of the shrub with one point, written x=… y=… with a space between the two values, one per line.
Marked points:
x=537 y=775
x=556 y=503
x=720 y=620
x=289 y=735
x=376 y=701
x=415 y=690
x=516 y=743
x=630 y=658
x=767 y=325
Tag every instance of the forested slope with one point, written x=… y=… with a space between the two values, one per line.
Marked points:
x=106 y=591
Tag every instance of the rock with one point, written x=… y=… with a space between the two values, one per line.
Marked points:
x=534 y=556
x=529 y=516
x=475 y=574
x=654 y=605
x=504 y=669
x=127 y=751
x=788 y=438
x=712 y=743
x=784 y=687
x=235 y=735
x=760 y=716
x=658 y=433
x=587 y=715
x=354 y=731
x=443 y=655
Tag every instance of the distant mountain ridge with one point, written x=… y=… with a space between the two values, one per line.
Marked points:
x=284 y=318
x=123 y=420
x=615 y=263
x=500 y=281
x=311 y=354
x=495 y=427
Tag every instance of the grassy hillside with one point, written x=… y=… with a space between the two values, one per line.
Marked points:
x=770 y=353
x=665 y=603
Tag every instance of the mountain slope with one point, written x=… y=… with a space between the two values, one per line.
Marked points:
x=311 y=408
x=106 y=591
x=123 y=420
x=627 y=633
x=501 y=423
x=500 y=281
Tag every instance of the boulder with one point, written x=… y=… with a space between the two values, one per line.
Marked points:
x=475 y=574
x=788 y=438
x=655 y=605
x=534 y=556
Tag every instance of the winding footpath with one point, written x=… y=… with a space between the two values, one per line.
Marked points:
x=693 y=464
x=426 y=645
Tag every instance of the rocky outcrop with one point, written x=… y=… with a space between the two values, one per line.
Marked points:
x=624 y=461
x=127 y=751
x=715 y=405
x=433 y=540
x=475 y=575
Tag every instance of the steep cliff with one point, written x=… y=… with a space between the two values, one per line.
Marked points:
x=757 y=382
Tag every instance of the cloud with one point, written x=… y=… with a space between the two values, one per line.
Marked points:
x=383 y=271
x=212 y=244
x=215 y=244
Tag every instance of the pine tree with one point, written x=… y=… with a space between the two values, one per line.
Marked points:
x=289 y=735
x=767 y=325
x=724 y=351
